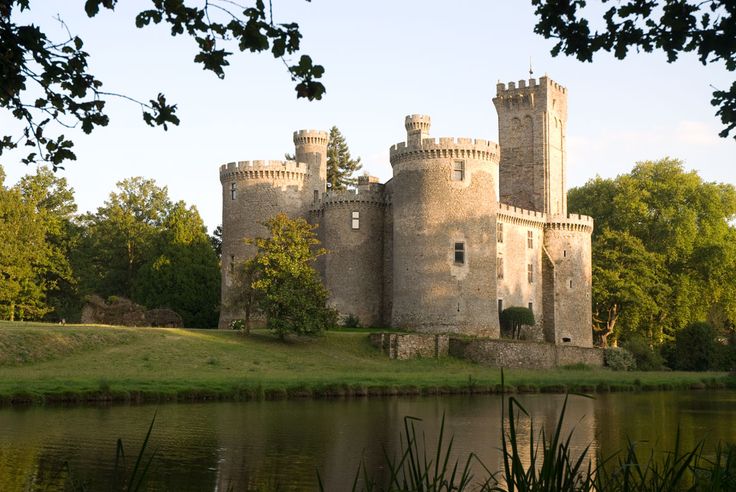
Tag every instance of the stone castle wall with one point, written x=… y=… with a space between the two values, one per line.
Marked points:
x=515 y=285
x=352 y=223
x=432 y=213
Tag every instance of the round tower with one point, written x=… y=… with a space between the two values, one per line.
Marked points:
x=568 y=280
x=444 y=247
x=352 y=227
x=253 y=192
x=311 y=148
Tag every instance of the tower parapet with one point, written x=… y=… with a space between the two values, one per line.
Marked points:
x=445 y=147
x=417 y=127
x=263 y=170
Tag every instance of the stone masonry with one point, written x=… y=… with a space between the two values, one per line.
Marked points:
x=463 y=229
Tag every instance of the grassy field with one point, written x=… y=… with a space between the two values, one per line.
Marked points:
x=48 y=363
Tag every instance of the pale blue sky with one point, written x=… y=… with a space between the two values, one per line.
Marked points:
x=383 y=60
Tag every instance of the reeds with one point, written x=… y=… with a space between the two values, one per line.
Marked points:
x=552 y=465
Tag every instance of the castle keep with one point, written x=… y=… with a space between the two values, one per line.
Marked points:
x=463 y=229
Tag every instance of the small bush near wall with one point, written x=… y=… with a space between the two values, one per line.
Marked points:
x=647 y=358
x=619 y=359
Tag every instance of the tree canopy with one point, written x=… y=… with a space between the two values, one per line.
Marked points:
x=48 y=81
x=707 y=28
x=340 y=165
x=664 y=250
x=137 y=245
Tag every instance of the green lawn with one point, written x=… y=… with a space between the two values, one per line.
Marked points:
x=40 y=362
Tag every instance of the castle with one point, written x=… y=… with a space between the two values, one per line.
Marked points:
x=463 y=229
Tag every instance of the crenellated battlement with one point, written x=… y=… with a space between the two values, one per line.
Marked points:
x=524 y=85
x=522 y=216
x=265 y=169
x=573 y=222
x=345 y=197
x=307 y=137
x=445 y=147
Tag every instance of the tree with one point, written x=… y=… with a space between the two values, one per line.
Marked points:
x=55 y=208
x=340 y=166
x=514 y=317
x=48 y=81
x=292 y=297
x=182 y=273
x=663 y=249
x=216 y=241
x=628 y=285
x=673 y=26
x=120 y=237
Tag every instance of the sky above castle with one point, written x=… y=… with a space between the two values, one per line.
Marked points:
x=383 y=60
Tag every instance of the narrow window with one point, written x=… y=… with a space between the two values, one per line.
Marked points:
x=316 y=196
x=458 y=170
x=499 y=232
x=499 y=268
x=564 y=253
x=571 y=284
x=531 y=306
x=233 y=190
x=529 y=239
x=530 y=273
x=500 y=306
x=356 y=220
x=459 y=253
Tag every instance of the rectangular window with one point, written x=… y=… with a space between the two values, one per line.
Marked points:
x=571 y=284
x=530 y=273
x=233 y=190
x=356 y=220
x=531 y=306
x=459 y=253
x=458 y=170
x=564 y=253
x=500 y=306
x=499 y=268
x=499 y=232
x=529 y=239
x=316 y=196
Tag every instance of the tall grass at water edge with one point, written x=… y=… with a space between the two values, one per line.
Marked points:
x=552 y=465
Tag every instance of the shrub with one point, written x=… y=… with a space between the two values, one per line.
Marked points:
x=237 y=324
x=351 y=321
x=513 y=318
x=695 y=347
x=619 y=359
x=646 y=358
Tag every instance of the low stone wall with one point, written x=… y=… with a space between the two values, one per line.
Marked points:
x=411 y=345
x=523 y=354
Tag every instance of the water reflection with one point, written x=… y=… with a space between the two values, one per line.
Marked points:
x=280 y=445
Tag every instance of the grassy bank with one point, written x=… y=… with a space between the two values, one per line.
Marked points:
x=48 y=363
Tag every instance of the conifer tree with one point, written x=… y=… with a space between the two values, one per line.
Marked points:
x=340 y=165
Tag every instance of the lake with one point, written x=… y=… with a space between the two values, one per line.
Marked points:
x=279 y=445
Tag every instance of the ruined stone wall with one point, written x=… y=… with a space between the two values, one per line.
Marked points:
x=352 y=224
x=568 y=249
x=404 y=346
x=531 y=122
x=432 y=212
x=523 y=354
x=514 y=258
